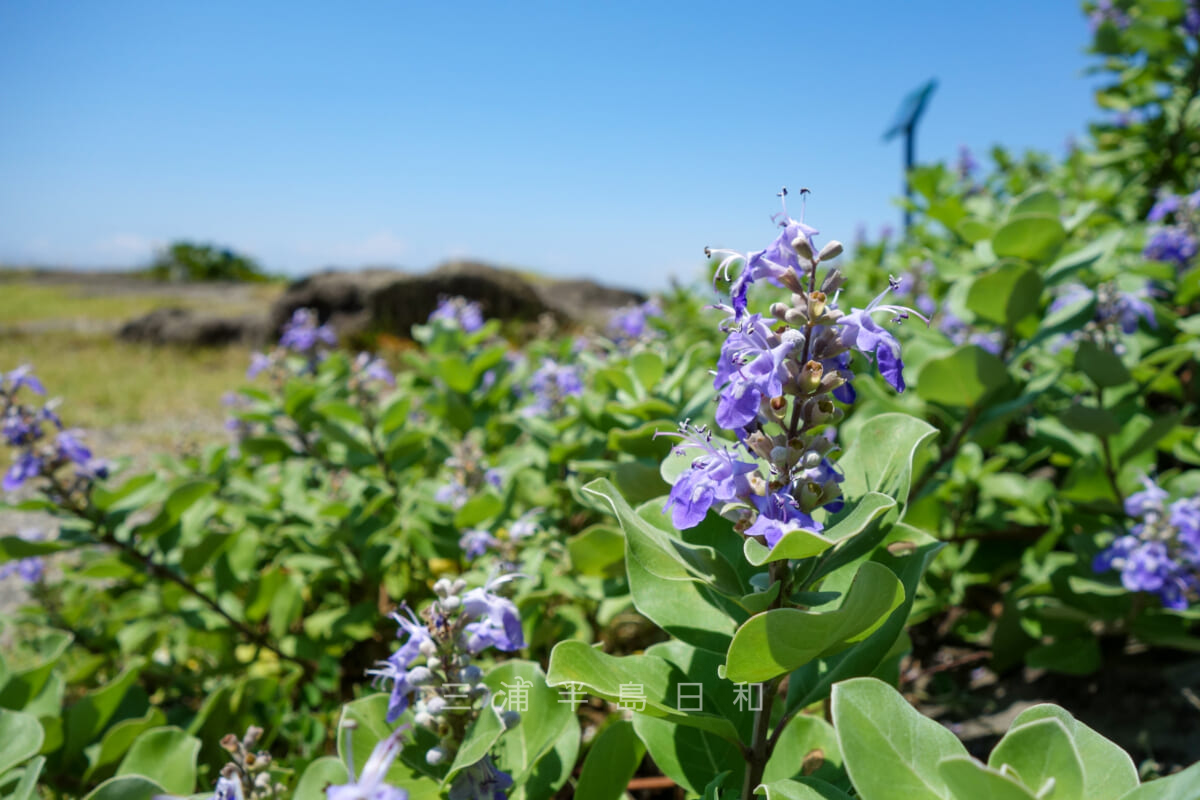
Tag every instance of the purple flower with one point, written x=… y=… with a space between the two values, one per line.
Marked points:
x=259 y=363
x=967 y=164
x=302 y=334
x=1104 y=12
x=631 y=322
x=370 y=785
x=496 y=622
x=862 y=333
x=770 y=264
x=459 y=311
x=70 y=448
x=398 y=666
x=714 y=476
x=552 y=383
x=1166 y=204
x=525 y=525
x=228 y=789
x=19 y=429
x=452 y=494
x=28 y=569
x=751 y=368
x=23 y=376
x=1129 y=308
x=476 y=541
x=779 y=514
x=494 y=477
x=1171 y=244
x=373 y=368
x=25 y=466
x=480 y=781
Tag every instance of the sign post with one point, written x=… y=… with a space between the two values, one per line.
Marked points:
x=906 y=123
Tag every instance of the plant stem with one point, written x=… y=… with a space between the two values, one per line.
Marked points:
x=1110 y=470
x=761 y=743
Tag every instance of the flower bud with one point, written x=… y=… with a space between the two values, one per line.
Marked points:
x=816 y=304
x=831 y=250
x=451 y=603
x=779 y=310
x=441 y=587
x=811 y=460
x=510 y=719
x=424 y=719
x=795 y=316
x=420 y=676
x=435 y=705
x=435 y=756
x=458 y=586
x=471 y=674
x=803 y=247
x=428 y=648
x=433 y=662
x=792 y=281
x=810 y=377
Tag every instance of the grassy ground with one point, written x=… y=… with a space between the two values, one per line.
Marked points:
x=134 y=399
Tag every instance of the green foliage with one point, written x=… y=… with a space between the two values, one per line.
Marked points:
x=188 y=261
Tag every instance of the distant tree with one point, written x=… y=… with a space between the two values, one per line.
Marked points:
x=187 y=261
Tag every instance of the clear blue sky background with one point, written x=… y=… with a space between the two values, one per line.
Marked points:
x=609 y=139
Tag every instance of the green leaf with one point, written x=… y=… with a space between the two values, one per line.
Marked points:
x=627 y=679
x=881 y=457
x=21 y=737
x=970 y=780
x=1180 y=786
x=598 y=550
x=662 y=555
x=808 y=748
x=13 y=547
x=890 y=749
x=24 y=685
x=165 y=755
x=689 y=756
x=687 y=610
x=479 y=508
x=126 y=787
x=784 y=639
x=87 y=717
x=649 y=368
x=1006 y=294
x=544 y=717
x=180 y=499
x=610 y=764
x=1089 y=419
x=1041 y=751
x=802 y=789
x=1073 y=262
x=27 y=788
x=1108 y=771
x=1033 y=237
x=961 y=378
x=1103 y=366
x=1038 y=201
x=325 y=771
x=118 y=739
x=804 y=544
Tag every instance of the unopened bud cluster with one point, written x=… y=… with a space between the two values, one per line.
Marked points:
x=247 y=770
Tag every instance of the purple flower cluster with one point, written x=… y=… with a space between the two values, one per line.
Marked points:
x=967 y=164
x=776 y=385
x=469 y=473
x=458 y=626
x=1118 y=312
x=1191 y=19
x=1177 y=238
x=1106 y=12
x=28 y=569
x=1161 y=553
x=550 y=386
x=368 y=368
x=633 y=322
x=24 y=428
x=459 y=311
x=303 y=336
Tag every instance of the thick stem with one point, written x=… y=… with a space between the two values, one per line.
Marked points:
x=761 y=742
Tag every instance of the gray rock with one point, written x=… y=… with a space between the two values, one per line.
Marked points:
x=394 y=300
x=179 y=326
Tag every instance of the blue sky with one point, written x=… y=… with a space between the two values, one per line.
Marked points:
x=613 y=140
